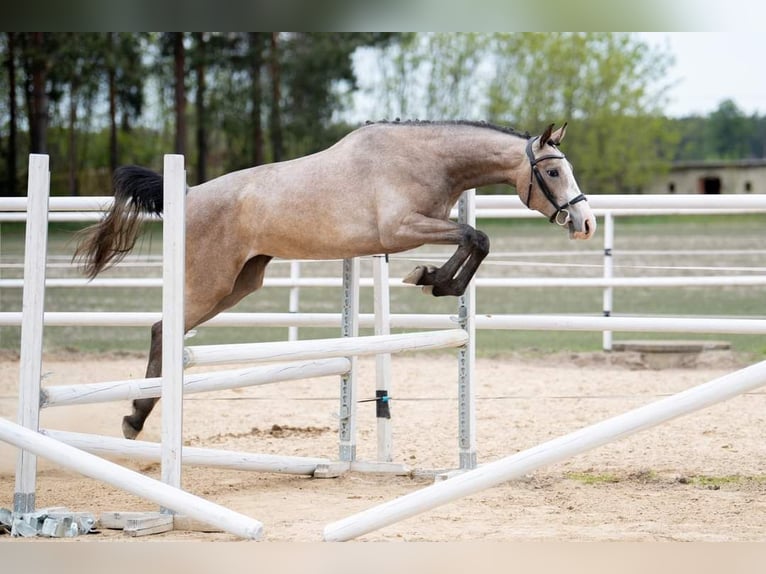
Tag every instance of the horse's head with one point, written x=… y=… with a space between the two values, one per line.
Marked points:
x=552 y=188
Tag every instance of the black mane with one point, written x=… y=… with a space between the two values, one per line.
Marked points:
x=478 y=124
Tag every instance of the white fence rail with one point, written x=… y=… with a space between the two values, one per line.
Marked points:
x=422 y=321
x=505 y=205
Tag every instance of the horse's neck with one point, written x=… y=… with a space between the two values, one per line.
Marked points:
x=478 y=156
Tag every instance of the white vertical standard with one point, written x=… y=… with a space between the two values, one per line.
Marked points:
x=467 y=354
x=382 y=310
x=173 y=277
x=608 y=274
x=33 y=301
x=349 y=328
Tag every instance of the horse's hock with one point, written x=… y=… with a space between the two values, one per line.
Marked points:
x=669 y=354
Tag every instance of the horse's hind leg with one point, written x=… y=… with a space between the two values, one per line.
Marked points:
x=133 y=423
x=248 y=280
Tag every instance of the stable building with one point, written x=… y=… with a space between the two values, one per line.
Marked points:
x=713 y=177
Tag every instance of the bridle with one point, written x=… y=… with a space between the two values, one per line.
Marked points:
x=560 y=209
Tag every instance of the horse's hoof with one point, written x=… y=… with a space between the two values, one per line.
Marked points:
x=414 y=276
x=128 y=430
x=428 y=289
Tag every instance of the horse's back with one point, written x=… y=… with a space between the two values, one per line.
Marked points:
x=321 y=206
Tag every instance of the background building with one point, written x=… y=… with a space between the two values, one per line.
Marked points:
x=714 y=177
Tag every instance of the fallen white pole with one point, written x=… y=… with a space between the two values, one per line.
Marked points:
x=556 y=450
x=322 y=348
x=130 y=481
x=108 y=446
x=130 y=389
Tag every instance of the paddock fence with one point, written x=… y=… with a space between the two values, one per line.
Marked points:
x=607 y=207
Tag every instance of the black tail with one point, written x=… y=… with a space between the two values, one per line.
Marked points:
x=137 y=191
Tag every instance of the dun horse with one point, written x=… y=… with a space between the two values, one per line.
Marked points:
x=384 y=188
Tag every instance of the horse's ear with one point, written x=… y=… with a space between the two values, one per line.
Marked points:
x=546 y=136
x=558 y=135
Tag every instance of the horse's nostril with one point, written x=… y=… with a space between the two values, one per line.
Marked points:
x=587 y=226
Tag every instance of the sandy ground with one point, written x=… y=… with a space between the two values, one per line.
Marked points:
x=698 y=478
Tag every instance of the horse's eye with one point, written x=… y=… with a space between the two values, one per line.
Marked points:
x=552 y=172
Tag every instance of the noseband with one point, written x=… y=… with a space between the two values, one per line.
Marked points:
x=560 y=209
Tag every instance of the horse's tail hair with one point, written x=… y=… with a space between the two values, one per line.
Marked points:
x=137 y=191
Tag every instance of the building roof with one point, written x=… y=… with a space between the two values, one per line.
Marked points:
x=718 y=164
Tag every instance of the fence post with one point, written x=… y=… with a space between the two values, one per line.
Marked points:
x=33 y=303
x=606 y=337
x=467 y=353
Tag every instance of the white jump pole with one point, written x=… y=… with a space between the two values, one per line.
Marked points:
x=33 y=301
x=89 y=393
x=173 y=276
x=108 y=446
x=556 y=450
x=322 y=348
x=133 y=482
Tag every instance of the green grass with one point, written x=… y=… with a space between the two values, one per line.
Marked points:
x=716 y=482
x=521 y=240
x=592 y=478
x=646 y=476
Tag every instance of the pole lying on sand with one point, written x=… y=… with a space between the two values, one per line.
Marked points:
x=556 y=450
x=165 y=495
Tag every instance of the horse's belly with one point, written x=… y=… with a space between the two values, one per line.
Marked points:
x=320 y=248
x=302 y=225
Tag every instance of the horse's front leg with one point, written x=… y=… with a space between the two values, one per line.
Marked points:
x=453 y=277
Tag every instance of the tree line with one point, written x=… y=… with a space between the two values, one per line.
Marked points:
x=93 y=101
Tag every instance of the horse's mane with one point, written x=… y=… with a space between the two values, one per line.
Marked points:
x=477 y=124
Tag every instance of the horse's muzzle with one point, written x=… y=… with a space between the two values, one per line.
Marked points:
x=585 y=230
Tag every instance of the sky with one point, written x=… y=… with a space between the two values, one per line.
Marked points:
x=709 y=67
x=714 y=66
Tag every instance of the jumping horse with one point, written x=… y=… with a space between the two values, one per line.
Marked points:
x=386 y=187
